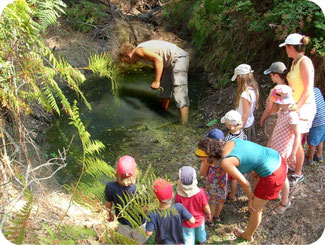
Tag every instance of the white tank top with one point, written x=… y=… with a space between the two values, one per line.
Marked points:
x=168 y=51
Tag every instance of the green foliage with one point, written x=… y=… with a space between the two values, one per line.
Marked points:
x=178 y=13
x=30 y=70
x=230 y=32
x=85 y=14
x=88 y=189
x=15 y=233
x=30 y=74
x=103 y=66
x=66 y=235
x=117 y=238
x=47 y=11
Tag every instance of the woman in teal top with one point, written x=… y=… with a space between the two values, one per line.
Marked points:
x=238 y=157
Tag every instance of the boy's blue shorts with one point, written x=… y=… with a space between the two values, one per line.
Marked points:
x=189 y=234
x=316 y=135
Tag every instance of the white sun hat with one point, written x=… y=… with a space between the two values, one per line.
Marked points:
x=242 y=69
x=233 y=118
x=292 y=39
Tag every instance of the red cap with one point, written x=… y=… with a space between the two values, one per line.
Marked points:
x=163 y=189
x=126 y=166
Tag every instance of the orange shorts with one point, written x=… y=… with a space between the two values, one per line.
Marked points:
x=268 y=187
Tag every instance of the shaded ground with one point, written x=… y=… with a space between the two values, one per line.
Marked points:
x=169 y=147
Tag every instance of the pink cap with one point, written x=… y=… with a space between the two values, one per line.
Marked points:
x=126 y=166
x=163 y=189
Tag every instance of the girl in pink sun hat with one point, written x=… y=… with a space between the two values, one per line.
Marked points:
x=285 y=137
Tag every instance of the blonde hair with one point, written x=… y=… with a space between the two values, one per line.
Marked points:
x=244 y=81
x=302 y=47
x=126 y=49
x=128 y=181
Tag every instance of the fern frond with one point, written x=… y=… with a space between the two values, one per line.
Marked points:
x=48 y=11
x=97 y=167
x=94 y=146
x=75 y=233
x=51 y=99
x=53 y=238
x=16 y=232
x=103 y=66
x=88 y=193
x=117 y=238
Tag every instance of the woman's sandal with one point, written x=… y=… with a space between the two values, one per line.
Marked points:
x=239 y=234
x=281 y=208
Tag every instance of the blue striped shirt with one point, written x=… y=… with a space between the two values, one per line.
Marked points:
x=231 y=136
x=320 y=108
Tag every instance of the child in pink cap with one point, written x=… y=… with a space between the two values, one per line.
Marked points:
x=125 y=185
x=168 y=219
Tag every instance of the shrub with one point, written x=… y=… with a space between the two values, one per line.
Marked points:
x=230 y=32
x=85 y=15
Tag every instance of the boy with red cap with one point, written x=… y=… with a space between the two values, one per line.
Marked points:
x=116 y=193
x=167 y=220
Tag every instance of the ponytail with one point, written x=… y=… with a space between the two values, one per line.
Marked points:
x=305 y=40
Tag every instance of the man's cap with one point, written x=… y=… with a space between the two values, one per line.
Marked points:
x=126 y=166
x=292 y=39
x=216 y=134
x=187 y=175
x=282 y=94
x=277 y=67
x=233 y=118
x=163 y=189
x=242 y=69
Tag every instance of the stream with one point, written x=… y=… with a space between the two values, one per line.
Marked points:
x=112 y=120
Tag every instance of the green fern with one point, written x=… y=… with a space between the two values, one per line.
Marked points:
x=16 y=232
x=53 y=238
x=48 y=12
x=117 y=238
x=103 y=66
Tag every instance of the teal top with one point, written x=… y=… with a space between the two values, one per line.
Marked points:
x=262 y=160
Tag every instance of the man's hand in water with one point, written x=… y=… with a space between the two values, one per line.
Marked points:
x=155 y=85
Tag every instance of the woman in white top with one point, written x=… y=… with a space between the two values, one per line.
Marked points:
x=247 y=97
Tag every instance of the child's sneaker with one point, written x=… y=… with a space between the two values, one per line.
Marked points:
x=291 y=170
x=209 y=223
x=217 y=219
x=309 y=162
x=295 y=179
x=318 y=159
